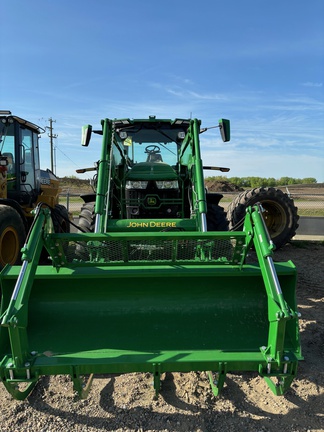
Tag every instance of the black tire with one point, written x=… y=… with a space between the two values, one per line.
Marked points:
x=216 y=221
x=87 y=217
x=216 y=218
x=61 y=219
x=87 y=224
x=280 y=213
x=61 y=224
x=12 y=236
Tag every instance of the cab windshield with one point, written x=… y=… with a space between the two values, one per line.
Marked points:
x=152 y=145
x=7 y=144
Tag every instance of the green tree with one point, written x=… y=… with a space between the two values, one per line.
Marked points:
x=252 y=182
x=271 y=182
x=236 y=181
x=257 y=182
x=283 y=181
x=309 y=180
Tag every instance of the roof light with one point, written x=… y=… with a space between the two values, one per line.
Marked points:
x=123 y=135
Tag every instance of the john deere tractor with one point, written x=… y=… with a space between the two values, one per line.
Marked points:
x=154 y=281
x=22 y=185
x=155 y=172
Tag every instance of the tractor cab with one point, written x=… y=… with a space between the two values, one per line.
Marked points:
x=153 y=185
x=20 y=155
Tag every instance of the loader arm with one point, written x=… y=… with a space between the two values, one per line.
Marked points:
x=223 y=314
x=104 y=176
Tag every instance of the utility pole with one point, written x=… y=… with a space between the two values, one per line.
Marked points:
x=51 y=136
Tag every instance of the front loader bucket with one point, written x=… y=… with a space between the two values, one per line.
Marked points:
x=119 y=303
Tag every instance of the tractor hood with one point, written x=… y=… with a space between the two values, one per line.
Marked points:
x=151 y=171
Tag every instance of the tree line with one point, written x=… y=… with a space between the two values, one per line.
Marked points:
x=252 y=182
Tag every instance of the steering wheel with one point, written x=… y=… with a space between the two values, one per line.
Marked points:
x=152 y=149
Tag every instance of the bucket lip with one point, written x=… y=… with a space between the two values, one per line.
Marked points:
x=106 y=271
x=120 y=357
x=111 y=361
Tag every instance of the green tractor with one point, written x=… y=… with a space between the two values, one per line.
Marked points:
x=153 y=171
x=157 y=173
x=153 y=281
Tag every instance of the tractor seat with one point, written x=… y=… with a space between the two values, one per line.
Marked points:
x=10 y=166
x=154 y=157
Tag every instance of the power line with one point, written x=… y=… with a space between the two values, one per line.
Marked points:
x=53 y=149
x=57 y=148
x=51 y=136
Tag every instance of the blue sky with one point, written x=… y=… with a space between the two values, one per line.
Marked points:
x=259 y=63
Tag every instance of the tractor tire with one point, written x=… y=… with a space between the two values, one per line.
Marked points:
x=87 y=224
x=216 y=218
x=87 y=217
x=61 y=224
x=216 y=221
x=61 y=219
x=280 y=214
x=12 y=236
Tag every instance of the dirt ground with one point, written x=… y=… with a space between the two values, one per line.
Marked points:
x=126 y=403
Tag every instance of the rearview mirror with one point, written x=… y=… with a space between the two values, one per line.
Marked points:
x=225 y=130
x=86 y=135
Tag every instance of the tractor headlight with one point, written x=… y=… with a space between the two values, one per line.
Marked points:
x=167 y=184
x=136 y=184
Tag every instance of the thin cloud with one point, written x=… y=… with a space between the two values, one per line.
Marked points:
x=312 y=84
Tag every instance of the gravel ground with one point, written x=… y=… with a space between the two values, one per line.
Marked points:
x=126 y=403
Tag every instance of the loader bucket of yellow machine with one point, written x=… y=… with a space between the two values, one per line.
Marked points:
x=121 y=302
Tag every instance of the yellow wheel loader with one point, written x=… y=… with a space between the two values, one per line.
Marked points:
x=23 y=185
